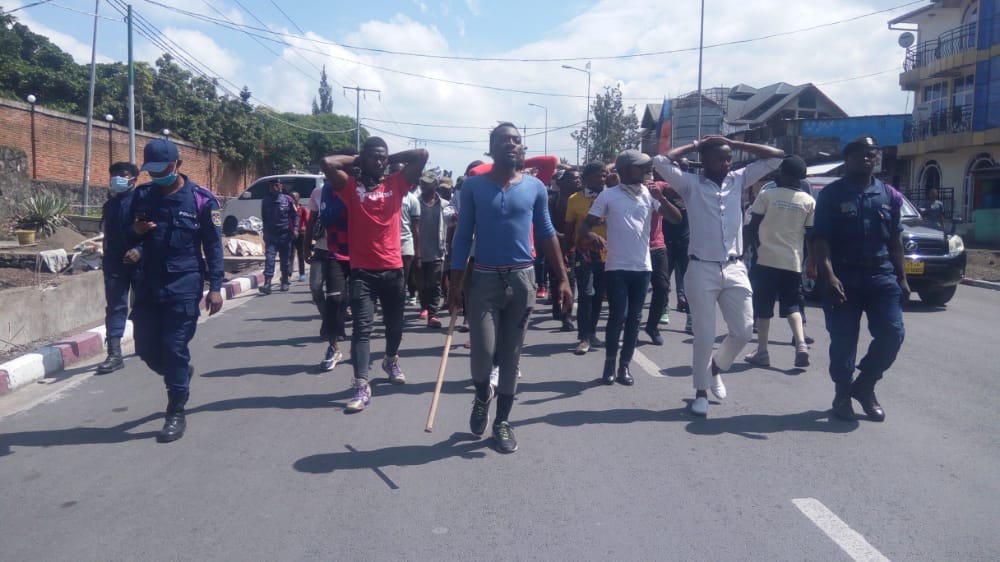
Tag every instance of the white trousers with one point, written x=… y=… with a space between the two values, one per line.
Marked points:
x=705 y=284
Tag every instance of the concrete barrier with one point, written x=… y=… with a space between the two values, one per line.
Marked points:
x=29 y=314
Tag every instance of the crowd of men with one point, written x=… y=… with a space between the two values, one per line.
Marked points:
x=517 y=231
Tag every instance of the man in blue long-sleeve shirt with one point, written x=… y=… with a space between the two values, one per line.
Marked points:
x=501 y=292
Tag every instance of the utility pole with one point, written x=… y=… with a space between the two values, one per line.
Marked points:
x=131 y=92
x=701 y=48
x=90 y=111
x=357 y=111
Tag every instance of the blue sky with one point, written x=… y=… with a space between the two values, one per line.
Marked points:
x=452 y=120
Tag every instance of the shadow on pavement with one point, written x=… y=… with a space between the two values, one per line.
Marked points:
x=311 y=317
x=562 y=389
x=574 y=418
x=756 y=426
x=301 y=341
x=296 y=402
x=78 y=435
x=549 y=349
x=463 y=445
x=280 y=370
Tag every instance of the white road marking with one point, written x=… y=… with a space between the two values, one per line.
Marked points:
x=647 y=364
x=851 y=541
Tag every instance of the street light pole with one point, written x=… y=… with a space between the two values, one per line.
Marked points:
x=34 y=161
x=546 y=134
x=586 y=152
x=110 y=119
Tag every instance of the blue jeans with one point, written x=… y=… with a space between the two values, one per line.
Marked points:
x=162 y=333
x=626 y=295
x=877 y=295
x=389 y=286
x=591 y=287
x=282 y=246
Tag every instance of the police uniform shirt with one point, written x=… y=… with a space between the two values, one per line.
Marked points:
x=858 y=222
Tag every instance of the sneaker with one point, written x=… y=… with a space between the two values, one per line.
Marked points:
x=495 y=376
x=582 y=348
x=423 y=314
x=596 y=342
x=411 y=301
x=541 y=293
x=302 y=278
x=503 y=438
x=718 y=387
x=362 y=396
x=433 y=322
x=654 y=336
x=665 y=318
x=759 y=358
x=333 y=356
x=682 y=306
x=392 y=369
x=687 y=325
x=700 y=406
x=809 y=341
x=480 y=417
x=802 y=357
x=568 y=326
x=284 y=286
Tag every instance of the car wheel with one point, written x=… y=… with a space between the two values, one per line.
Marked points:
x=229 y=226
x=938 y=297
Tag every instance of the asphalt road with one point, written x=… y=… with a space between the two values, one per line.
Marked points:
x=271 y=468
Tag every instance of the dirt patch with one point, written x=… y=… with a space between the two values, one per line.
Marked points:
x=12 y=277
x=64 y=237
x=983 y=265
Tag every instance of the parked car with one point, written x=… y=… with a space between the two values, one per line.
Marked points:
x=248 y=204
x=934 y=259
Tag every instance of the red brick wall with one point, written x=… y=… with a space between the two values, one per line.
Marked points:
x=60 y=141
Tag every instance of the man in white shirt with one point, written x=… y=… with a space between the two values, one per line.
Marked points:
x=779 y=220
x=716 y=273
x=627 y=209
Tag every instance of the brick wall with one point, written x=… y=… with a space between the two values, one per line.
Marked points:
x=59 y=149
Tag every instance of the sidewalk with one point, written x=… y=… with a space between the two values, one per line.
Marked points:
x=51 y=359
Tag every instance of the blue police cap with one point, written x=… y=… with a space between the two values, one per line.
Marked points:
x=158 y=154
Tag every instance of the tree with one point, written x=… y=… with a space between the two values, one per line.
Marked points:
x=613 y=127
x=325 y=104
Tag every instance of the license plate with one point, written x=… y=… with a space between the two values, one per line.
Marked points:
x=913 y=267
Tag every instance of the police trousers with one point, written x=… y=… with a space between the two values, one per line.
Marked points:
x=162 y=334
x=282 y=246
x=116 y=294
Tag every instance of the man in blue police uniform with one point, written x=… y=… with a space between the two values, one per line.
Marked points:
x=119 y=263
x=175 y=221
x=281 y=226
x=859 y=252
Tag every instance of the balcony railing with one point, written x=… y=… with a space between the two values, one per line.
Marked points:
x=952 y=42
x=948 y=121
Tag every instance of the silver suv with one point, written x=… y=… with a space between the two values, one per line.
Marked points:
x=248 y=204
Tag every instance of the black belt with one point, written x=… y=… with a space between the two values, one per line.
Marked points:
x=729 y=259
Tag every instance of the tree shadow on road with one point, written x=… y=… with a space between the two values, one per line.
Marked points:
x=77 y=435
x=757 y=426
x=463 y=445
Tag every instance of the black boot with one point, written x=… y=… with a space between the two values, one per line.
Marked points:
x=284 y=283
x=114 y=360
x=174 y=426
x=625 y=376
x=609 y=371
x=842 y=407
x=863 y=390
x=266 y=289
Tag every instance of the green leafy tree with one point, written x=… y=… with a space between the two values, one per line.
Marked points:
x=613 y=127
x=325 y=104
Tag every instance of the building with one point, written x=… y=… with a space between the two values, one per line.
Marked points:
x=952 y=66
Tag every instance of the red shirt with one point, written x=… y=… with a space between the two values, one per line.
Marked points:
x=303 y=218
x=373 y=222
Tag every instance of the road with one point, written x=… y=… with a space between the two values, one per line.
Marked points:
x=272 y=468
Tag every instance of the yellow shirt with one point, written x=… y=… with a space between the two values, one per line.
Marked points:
x=577 y=208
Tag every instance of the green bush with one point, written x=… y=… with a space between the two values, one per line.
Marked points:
x=42 y=213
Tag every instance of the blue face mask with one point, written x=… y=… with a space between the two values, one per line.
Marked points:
x=119 y=184
x=166 y=180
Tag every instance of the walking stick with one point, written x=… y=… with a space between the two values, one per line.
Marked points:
x=440 y=377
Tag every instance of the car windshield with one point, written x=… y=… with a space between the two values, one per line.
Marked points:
x=909 y=211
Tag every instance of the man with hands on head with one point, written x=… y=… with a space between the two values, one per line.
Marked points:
x=177 y=230
x=716 y=273
x=374 y=203
x=500 y=208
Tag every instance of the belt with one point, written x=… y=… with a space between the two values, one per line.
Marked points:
x=503 y=268
x=727 y=260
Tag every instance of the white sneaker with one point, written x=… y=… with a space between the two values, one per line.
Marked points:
x=495 y=376
x=700 y=406
x=718 y=387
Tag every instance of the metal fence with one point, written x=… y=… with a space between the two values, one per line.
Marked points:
x=918 y=197
x=947 y=121
x=952 y=42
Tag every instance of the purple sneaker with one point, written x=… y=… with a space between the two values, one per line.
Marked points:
x=362 y=396
x=391 y=368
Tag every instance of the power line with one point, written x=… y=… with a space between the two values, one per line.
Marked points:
x=555 y=59
x=32 y=5
x=859 y=77
x=287 y=17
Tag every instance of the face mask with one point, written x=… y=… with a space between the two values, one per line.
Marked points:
x=119 y=184
x=166 y=180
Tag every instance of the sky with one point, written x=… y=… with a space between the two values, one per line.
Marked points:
x=277 y=48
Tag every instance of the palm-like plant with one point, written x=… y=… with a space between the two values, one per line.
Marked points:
x=42 y=213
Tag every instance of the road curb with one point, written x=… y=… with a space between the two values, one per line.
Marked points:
x=48 y=360
x=981 y=284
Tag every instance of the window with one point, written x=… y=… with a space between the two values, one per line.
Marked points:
x=961 y=105
x=937 y=96
x=930 y=176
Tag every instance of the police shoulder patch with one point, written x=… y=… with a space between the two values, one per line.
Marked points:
x=217 y=217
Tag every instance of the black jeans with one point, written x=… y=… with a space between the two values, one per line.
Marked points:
x=389 y=286
x=335 y=303
x=626 y=295
x=677 y=265
x=661 y=287
x=299 y=249
x=591 y=288
x=430 y=286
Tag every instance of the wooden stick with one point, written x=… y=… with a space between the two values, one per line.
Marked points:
x=440 y=376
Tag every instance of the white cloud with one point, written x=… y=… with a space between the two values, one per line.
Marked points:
x=474 y=7
x=421 y=5
x=203 y=49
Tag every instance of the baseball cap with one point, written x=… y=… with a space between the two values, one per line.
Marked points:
x=864 y=142
x=631 y=157
x=793 y=166
x=158 y=154
x=428 y=177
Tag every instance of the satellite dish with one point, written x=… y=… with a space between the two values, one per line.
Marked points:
x=906 y=39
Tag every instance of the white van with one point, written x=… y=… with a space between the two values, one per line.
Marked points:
x=248 y=203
